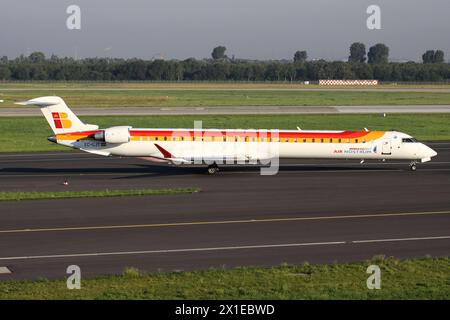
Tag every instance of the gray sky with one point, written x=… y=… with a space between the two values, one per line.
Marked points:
x=255 y=29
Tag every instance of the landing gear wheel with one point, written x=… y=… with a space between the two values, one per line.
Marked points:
x=413 y=166
x=212 y=169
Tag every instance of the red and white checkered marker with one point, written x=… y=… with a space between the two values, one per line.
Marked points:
x=348 y=82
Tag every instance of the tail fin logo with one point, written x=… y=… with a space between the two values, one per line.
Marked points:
x=61 y=121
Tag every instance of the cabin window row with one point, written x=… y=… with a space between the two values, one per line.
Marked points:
x=247 y=139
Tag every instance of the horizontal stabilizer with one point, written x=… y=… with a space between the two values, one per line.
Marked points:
x=42 y=102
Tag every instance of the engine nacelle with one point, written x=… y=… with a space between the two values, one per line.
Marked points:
x=119 y=134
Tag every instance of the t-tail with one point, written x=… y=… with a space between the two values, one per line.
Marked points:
x=60 y=118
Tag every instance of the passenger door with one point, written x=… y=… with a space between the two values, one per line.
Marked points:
x=386 y=147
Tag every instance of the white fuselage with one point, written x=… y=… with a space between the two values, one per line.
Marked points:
x=252 y=146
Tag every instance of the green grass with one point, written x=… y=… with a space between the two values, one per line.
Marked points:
x=23 y=134
x=34 y=195
x=91 y=97
x=427 y=278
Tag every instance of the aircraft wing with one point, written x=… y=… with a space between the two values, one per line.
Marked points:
x=167 y=156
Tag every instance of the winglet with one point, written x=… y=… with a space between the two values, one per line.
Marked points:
x=164 y=152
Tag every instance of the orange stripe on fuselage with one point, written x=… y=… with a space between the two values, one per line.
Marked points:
x=77 y=135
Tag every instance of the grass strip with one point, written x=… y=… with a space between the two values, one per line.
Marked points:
x=34 y=195
x=424 y=278
x=210 y=98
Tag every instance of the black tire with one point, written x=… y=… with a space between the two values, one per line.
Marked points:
x=413 y=167
x=213 y=169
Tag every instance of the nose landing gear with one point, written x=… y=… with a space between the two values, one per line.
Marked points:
x=413 y=166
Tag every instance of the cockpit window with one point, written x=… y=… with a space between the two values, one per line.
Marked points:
x=409 y=140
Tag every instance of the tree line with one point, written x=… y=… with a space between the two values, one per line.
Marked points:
x=220 y=67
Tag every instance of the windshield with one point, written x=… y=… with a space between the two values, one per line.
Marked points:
x=409 y=140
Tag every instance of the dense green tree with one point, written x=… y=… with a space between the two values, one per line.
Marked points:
x=38 y=72
x=428 y=56
x=362 y=70
x=219 y=53
x=5 y=73
x=382 y=71
x=37 y=57
x=20 y=72
x=439 y=56
x=300 y=56
x=157 y=69
x=379 y=53
x=357 y=52
x=37 y=67
x=431 y=56
x=290 y=72
x=137 y=70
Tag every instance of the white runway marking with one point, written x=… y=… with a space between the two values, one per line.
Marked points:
x=400 y=239
x=96 y=254
x=265 y=246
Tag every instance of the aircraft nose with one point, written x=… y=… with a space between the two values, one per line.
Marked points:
x=430 y=152
x=433 y=153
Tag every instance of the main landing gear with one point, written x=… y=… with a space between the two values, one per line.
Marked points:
x=213 y=168
x=413 y=166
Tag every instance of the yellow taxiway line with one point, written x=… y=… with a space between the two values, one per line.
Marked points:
x=219 y=222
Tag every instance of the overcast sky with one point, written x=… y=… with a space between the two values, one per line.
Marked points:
x=255 y=29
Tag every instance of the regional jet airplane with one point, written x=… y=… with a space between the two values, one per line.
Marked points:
x=224 y=146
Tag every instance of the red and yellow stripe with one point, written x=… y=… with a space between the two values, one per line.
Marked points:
x=248 y=136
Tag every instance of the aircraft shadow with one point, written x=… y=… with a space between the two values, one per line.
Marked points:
x=147 y=170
